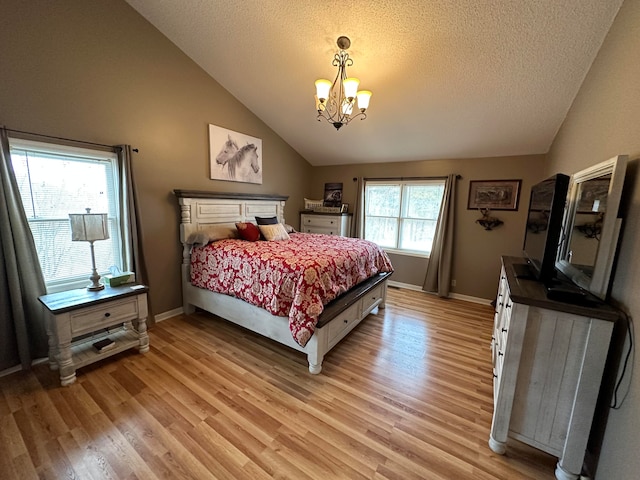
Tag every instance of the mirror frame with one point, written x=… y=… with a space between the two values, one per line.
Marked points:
x=598 y=282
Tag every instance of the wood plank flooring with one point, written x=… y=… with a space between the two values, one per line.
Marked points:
x=407 y=395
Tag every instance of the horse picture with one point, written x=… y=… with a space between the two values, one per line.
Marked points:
x=234 y=156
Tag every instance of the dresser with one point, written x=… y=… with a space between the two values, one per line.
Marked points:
x=79 y=318
x=327 y=223
x=548 y=362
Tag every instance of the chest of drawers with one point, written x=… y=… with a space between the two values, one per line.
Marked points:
x=329 y=224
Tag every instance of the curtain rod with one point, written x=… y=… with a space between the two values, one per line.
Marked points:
x=65 y=139
x=458 y=177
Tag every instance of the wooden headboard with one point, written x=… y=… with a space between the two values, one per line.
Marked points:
x=200 y=208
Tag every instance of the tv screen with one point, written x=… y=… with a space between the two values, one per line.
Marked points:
x=544 y=226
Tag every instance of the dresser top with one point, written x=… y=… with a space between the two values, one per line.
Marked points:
x=73 y=299
x=311 y=212
x=532 y=292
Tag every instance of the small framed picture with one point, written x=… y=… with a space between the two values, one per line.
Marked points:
x=494 y=194
x=345 y=208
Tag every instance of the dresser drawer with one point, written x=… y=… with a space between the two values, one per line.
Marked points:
x=323 y=230
x=320 y=221
x=93 y=318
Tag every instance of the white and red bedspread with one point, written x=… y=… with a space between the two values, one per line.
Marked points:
x=292 y=278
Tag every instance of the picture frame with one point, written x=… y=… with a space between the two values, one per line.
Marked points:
x=494 y=194
x=332 y=195
x=234 y=156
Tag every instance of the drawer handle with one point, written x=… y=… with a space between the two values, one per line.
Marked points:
x=331 y=222
x=508 y=305
x=107 y=314
x=346 y=321
x=495 y=376
x=500 y=354
x=504 y=330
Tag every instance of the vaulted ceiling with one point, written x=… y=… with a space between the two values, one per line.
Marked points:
x=450 y=78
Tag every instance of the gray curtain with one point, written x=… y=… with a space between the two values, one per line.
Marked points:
x=23 y=334
x=134 y=254
x=438 y=277
x=357 y=227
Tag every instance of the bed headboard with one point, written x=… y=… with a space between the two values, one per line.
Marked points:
x=200 y=208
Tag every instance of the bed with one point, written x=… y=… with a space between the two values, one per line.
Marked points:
x=200 y=210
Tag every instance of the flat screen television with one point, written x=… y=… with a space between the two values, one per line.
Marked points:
x=543 y=232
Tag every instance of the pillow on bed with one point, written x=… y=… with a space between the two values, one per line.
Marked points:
x=274 y=232
x=266 y=220
x=248 y=231
x=211 y=234
x=289 y=228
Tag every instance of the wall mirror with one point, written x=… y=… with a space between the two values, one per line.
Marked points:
x=592 y=226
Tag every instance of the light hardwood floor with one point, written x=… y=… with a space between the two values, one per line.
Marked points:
x=407 y=395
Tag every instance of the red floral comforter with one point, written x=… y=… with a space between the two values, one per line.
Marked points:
x=293 y=278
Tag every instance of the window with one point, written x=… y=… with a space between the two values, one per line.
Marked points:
x=54 y=181
x=402 y=215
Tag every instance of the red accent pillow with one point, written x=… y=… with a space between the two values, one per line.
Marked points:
x=248 y=231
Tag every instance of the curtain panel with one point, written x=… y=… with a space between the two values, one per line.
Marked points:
x=438 y=277
x=23 y=333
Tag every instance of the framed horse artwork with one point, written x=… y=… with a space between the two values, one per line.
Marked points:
x=234 y=156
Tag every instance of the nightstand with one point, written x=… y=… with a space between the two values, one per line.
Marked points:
x=78 y=318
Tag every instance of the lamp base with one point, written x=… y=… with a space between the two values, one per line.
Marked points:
x=95 y=288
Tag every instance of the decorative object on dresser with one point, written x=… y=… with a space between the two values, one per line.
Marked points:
x=89 y=227
x=332 y=195
x=327 y=223
x=548 y=363
x=335 y=101
x=234 y=156
x=494 y=194
x=487 y=221
x=336 y=319
x=79 y=319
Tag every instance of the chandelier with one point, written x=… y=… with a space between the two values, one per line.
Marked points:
x=335 y=101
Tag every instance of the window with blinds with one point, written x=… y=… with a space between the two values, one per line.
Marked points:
x=55 y=181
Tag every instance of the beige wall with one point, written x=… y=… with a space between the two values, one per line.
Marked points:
x=603 y=122
x=476 y=263
x=97 y=71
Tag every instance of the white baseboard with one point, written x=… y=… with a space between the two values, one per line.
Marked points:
x=166 y=315
x=457 y=296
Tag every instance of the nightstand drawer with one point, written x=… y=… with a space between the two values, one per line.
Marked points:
x=93 y=318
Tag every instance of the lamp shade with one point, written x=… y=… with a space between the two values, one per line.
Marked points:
x=363 y=99
x=322 y=89
x=88 y=227
x=350 y=87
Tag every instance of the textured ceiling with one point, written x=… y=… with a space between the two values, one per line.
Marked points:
x=450 y=78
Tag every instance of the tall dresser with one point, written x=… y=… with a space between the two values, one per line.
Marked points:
x=548 y=362
x=327 y=223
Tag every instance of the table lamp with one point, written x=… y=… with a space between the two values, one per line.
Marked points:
x=89 y=227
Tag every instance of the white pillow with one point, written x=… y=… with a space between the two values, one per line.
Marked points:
x=274 y=232
x=211 y=234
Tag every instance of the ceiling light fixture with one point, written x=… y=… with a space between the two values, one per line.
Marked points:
x=335 y=101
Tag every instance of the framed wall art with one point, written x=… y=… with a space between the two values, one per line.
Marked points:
x=494 y=194
x=234 y=156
